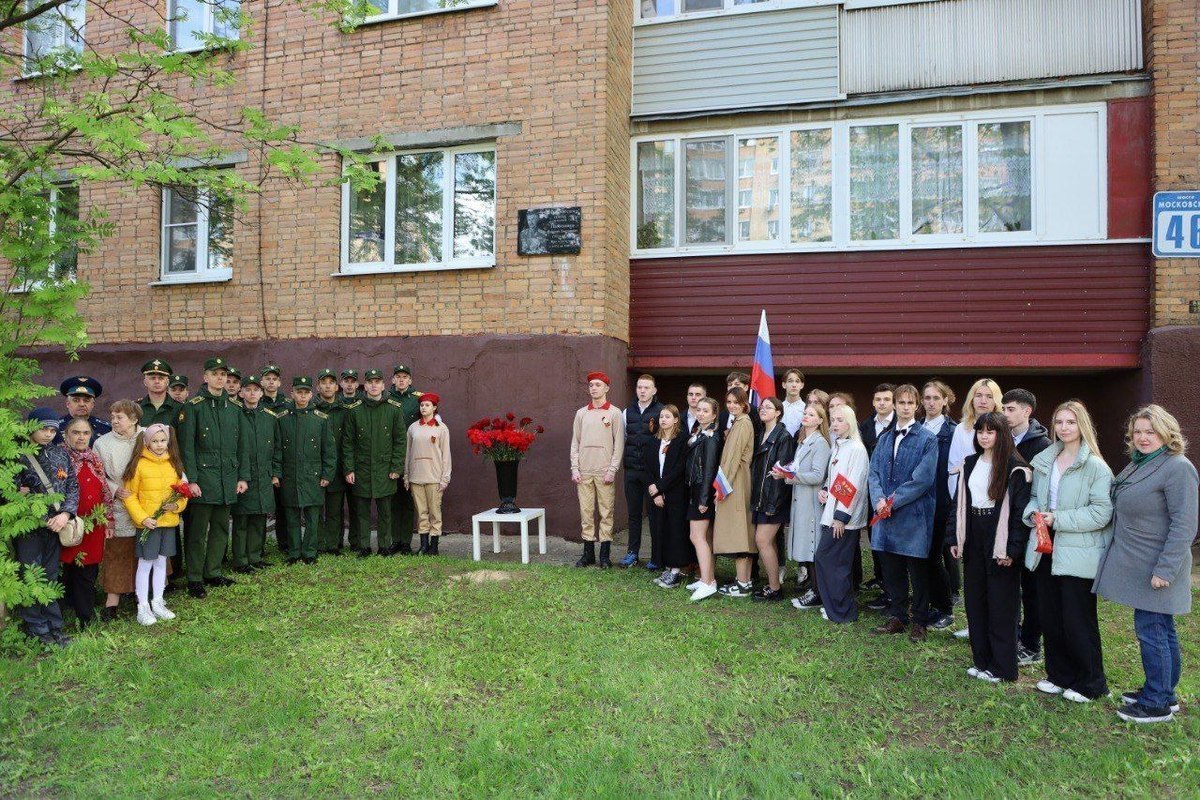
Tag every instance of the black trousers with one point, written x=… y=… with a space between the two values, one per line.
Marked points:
x=637 y=500
x=939 y=578
x=992 y=595
x=40 y=547
x=834 y=565
x=900 y=573
x=79 y=590
x=1071 y=631
x=1031 y=620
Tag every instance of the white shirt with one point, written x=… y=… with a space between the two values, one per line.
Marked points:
x=935 y=424
x=899 y=437
x=793 y=413
x=978 y=482
x=691 y=420
x=961 y=446
x=662 y=455
x=880 y=427
x=1055 y=477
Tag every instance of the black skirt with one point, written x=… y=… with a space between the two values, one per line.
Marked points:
x=760 y=518
x=675 y=542
x=693 y=511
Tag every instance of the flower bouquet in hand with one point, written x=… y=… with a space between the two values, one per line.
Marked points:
x=179 y=491
x=503 y=438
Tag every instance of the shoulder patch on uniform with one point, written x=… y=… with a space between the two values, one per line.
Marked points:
x=418 y=394
x=319 y=413
x=180 y=416
x=355 y=404
x=197 y=399
x=277 y=413
x=236 y=402
x=396 y=403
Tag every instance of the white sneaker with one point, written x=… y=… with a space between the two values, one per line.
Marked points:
x=824 y=616
x=704 y=591
x=974 y=673
x=1048 y=687
x=159 y=607
x=1075 y=697
x=963 y=634
x=145 y=615
x=694 y=585
x=986 y=675
x=782 y=573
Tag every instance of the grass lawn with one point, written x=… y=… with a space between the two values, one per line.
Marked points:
x=441 y=677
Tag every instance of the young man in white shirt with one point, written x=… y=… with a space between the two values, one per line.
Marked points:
x=695 y=393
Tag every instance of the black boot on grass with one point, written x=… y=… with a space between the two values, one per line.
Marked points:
x=589 y=555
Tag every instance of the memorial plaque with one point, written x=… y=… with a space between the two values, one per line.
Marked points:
x=549 y=231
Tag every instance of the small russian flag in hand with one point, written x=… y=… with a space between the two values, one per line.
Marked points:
x=722 y=485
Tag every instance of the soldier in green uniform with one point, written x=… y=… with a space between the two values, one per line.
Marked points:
x=272 y=380
x=307 y=459
x=157 y=405
x=214 y=458
x=373 y=448
x=403 y=509
x=350 y=387
x=178 y=388
x=333 y=516
x=260 y=437
x=233 y=383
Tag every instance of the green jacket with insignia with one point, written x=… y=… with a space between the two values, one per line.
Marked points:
x=167 y=413
x=213 y=451
x=374 y=442
x=410 y=401
x=305 y=457
x=260 y=438
x=337 y=413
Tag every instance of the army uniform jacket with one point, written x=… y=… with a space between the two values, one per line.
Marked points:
x=260 y=439
x=214 y=454
x=410 y=403
x=167 y=413
x=306 y=456
x=373 y=445
x=337 y=413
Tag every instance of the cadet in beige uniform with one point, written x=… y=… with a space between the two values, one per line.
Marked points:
x=597 y=445
x=427 y=471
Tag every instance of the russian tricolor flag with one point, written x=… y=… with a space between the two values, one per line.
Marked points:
x=762 y=374
x=721 y=485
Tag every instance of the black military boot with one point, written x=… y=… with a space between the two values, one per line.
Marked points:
x=605 y=563
x=433 y=545
x=424 y=551
x=589 y=555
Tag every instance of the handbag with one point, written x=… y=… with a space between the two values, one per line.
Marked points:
x=72 y=533
x=1045 y=544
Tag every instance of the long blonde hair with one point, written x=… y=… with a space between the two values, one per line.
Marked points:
x=1087 y=430
x=851 y=420
x=822 y=414
x=1163 y=424
x=968 y=414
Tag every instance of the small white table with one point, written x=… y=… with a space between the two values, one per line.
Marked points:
x=524 y=517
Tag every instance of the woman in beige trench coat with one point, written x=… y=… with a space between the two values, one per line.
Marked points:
x=732 y=532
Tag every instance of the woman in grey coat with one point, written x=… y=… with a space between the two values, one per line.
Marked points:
x=1148 y=565
x=808 y=470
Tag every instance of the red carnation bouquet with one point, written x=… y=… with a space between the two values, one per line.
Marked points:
x=179 y=491
x=503 y=438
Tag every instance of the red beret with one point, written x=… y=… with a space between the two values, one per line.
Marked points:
x=430 y=397
x=598 y=376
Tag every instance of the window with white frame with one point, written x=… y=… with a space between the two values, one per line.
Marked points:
x=57 y=32
x=428 y=209
x=392 y=9
x=191 y=23
x=656 y=10
x=934 y=180
x=197 y=235
x=62 y=252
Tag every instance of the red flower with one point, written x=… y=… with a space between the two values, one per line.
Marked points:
x=497 y=422
x=525 y=421
x=510 y=416
x=540 y=429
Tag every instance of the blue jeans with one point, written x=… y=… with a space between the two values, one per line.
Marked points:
x=1161 y=660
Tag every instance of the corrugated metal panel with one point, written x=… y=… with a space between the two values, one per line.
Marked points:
x=736 y=61
x=920 y=308
x=984 y=41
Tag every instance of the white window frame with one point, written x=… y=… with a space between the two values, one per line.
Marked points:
x=728 y=8
x=76 y=15
x=840 y=216
x=393 y=13
x=29 y=285
x=203 y=272
x=449 y=262
x=209 y=26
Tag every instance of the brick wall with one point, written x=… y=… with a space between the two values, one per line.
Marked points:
x=560 y=70
x=1173 y=56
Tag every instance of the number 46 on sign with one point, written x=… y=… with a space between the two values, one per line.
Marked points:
x=1177 y=224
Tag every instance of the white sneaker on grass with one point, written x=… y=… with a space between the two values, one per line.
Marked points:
x=159 y=607
x=144 y=615
x=973 y=672
x=1049 y=687
x=694 y=585
x=986 y=675
x=965 y=633
x=824 y=615
x=1075 y=697
x=704 y=591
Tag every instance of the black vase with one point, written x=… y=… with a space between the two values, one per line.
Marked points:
x=506 y=484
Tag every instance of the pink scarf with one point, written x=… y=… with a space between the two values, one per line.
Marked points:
x=91 y=459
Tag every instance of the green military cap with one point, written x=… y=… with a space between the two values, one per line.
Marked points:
x=252 y=378
x=156 y=367
x=401 y=368
x=326 y=373
x=216 y=363
x=179 y=380
x=350 y=373
x=235 y=372
x=272 y=368
x=302 y=382
x=373 y=373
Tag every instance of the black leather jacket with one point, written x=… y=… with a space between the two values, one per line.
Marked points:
x=768 y=495
x=703 y=458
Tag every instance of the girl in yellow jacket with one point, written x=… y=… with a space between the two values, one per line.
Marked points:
x=155 y=467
